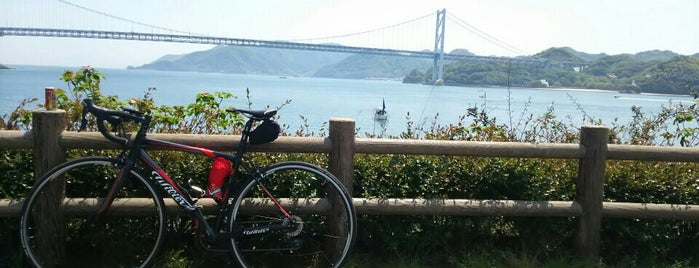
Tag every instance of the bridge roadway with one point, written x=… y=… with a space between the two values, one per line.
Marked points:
x=69 y=33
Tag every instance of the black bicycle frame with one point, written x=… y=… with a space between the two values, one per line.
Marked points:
x=177 y=193
x=139 y=152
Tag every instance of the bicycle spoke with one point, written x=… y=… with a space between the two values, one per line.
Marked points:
x=310 y=238
x=76 y=235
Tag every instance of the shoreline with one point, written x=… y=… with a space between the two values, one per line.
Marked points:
x=570 y=89
x=392 y=80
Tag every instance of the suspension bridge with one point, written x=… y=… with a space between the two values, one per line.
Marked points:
x=54 y=27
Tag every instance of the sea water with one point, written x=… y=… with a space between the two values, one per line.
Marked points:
x=314 y=101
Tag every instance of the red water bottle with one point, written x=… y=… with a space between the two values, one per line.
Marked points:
x=220 y=169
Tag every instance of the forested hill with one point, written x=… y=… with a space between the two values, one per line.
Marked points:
x=287 y=62
x=651 y=71
x=362 y=66
x=247 y=60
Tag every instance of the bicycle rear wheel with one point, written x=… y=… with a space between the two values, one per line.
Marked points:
x=318 y=231
x=59 y=225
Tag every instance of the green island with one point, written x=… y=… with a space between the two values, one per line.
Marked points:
x=661 y=72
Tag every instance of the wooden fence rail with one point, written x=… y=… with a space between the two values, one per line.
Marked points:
x=49 y=145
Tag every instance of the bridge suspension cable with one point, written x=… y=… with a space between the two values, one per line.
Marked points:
x=363 y=32
x=413 y=34
x=385 y=37
x=124 y=19
x=485 y=36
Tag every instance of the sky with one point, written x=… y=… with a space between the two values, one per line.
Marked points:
x=526 y=26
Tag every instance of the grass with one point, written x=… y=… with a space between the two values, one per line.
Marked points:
x=479 y=258
x=505 y=259
x=181 y=258
x=470 y=260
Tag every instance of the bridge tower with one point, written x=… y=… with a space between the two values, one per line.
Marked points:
x=438 y=66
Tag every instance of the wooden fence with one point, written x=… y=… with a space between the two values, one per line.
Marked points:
x=49 y=143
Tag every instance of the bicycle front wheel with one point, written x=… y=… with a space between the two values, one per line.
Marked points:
x=60 y=225
x=315 y=228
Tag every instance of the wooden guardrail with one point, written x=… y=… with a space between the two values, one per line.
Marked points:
x=49 y=144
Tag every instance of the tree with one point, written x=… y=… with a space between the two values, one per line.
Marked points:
x=670 y=77
x=414 y=77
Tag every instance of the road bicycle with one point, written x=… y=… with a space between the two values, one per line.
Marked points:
x=108 y=211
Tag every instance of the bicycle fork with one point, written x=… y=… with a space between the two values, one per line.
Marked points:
x=119 y=181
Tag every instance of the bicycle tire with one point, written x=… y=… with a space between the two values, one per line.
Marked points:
x=325 y=220
x=75 y=237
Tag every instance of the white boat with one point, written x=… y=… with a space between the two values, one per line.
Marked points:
x=380 y=114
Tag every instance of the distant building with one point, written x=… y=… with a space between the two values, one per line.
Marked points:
x=544 y=83
x=579 y=68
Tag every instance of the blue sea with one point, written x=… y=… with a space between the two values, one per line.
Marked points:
x=314 y=101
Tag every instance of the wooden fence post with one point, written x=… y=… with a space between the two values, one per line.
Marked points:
x=341 y=159
x=590 y=190
x=47 y=127
x=340 y=164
